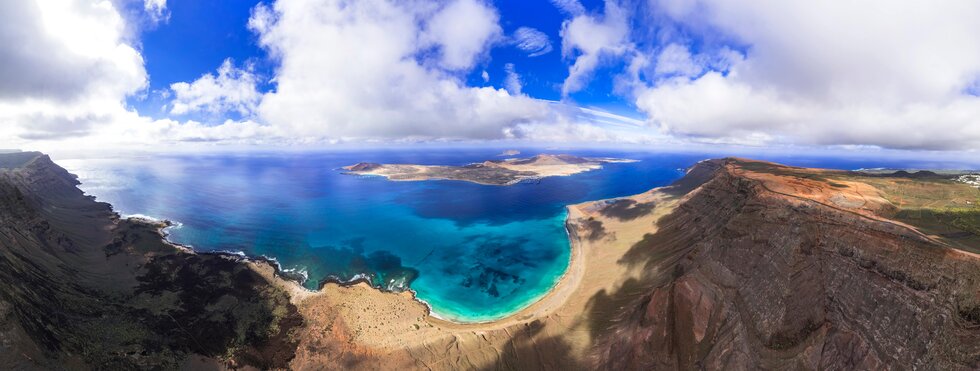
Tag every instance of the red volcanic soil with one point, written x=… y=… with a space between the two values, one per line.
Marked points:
x=764 y=270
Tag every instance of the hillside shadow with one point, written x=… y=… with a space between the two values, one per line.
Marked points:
x=528 y=350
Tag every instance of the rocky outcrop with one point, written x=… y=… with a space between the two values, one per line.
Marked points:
x=363 y=166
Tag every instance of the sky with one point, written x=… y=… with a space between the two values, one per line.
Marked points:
x=896 y=74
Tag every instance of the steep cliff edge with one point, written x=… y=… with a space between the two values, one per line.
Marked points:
x=739 y=265
x=82 y=288
x=766 y=266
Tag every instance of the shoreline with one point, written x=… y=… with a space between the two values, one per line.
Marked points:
x=298 y=290
x=575 y=257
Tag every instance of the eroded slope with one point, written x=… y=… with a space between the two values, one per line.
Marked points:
x=82 y=288
x=771 y=269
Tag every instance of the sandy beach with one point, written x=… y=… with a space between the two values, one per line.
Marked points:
x=396 y=330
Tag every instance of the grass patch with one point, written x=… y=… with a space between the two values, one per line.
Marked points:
x=960 y=228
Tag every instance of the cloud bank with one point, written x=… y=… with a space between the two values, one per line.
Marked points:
x=232 y=90
x=65 y=67
x=385 y=69
x=890 y=74
x=887 y=74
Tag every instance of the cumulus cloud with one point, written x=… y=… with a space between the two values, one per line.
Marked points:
x=364 y=69
x=156 y=10
x=531 y=41
x=825 y=73
x=513 y=81
x=769 y=72
x=461 y=31
x=232 y=90
x=345 y=71
x=675 y=59
x=65 y=66
x=570 y=7
x=67 y=69
x=589 y=38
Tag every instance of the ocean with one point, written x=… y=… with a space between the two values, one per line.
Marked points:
x=472 y=252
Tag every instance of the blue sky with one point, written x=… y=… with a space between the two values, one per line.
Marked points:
x=196 y=39
x=655 y=73
x=200 y=35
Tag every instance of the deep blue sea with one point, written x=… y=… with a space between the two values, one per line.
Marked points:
x=472 y=252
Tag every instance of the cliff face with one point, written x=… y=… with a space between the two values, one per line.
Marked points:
x=739 y=265
x=747 y=278
x=81 y=288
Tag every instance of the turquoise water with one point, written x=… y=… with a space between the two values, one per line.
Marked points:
x=472 y=252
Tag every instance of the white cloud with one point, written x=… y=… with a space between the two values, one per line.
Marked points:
x=675 y=59
x=826 y=73
x=590 y=38
x=232 y=90
x=156 y=10
x=900 y=75
x=461 y=30
x=367 y=70
x=570 y=7
x=66 y=67
x=360 y=70
x=573 y=125
x=531 y=41
x=513 y=81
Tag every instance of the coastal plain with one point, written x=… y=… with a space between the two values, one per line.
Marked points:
x=740 y=264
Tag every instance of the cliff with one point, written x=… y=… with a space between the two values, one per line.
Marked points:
x=739 y=265
x=757 y=269
x=81 y=288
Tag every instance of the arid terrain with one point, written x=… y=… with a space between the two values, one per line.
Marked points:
x=490 y=172
x=81 y=288
x=739 y=265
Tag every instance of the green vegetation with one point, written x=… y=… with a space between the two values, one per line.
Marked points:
x=960 y=228
x=939 y=207
x=934 y=203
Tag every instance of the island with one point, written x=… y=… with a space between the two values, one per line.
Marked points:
x=491 y=172
x=740 y=264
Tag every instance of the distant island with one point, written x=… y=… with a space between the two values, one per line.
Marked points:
x=491 y=172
